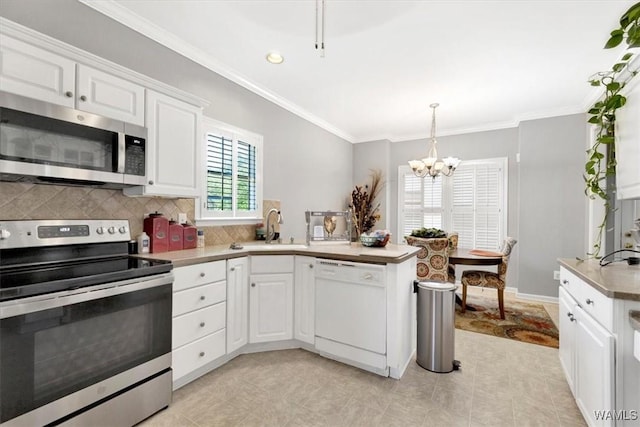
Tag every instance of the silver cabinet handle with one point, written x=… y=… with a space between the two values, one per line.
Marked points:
x=565 y=282
x=202 y=298
x=310 y=265
x=202 y=354
x=83 y=98
x=368 y=276
x=68 y=94
x=150 y=182
x=202 y=274
x=232 y=269
x=202 y=324
x=571 y=317
x=589 y=301
x=253 y=285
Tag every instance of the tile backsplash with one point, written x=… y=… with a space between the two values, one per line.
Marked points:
x=37 y=201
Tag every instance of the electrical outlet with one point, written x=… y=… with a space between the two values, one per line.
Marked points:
x=182 y=218
x=556 y=275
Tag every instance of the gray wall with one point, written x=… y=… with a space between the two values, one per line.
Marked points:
x=552 y=201
x=305 y=167
x=370 y=156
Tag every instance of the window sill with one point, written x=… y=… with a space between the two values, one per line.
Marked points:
x=211 y=222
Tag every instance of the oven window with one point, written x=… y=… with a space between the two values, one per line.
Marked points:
x=49 y=354
x=31 y=138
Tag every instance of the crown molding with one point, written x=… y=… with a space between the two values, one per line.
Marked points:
x=145 y=27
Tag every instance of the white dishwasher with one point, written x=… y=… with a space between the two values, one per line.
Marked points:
x=351 y=312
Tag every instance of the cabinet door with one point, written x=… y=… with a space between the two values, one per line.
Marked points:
x=567 y=351
x=101 y=93
x=36 y=73
x=304 y=300
x=237 y=303
x=270 y=307
x=173 y=148
x=627 y=148
x=594 y=382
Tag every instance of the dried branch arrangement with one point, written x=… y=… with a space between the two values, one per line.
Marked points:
x=364 y=208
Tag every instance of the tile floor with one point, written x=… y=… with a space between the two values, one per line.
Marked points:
x=501 y=383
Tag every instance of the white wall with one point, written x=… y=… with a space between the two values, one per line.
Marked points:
x=305 y=166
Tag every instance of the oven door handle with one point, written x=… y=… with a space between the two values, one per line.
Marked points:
x=60 y=299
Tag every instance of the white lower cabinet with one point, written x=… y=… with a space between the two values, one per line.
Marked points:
x=237 y=303
x=587 y=349
x=271 y=298
x=304 y=300
x=271 y=307
x=363 y=314
x=199 y=317
x=594 y=381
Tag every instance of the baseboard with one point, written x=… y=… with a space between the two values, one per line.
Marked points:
x=538 y=298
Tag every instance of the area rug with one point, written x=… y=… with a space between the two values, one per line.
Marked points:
x=526 y=322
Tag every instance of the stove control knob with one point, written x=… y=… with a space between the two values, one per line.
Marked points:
x=4 y=234
x=122 y=229
x=111 y=230
x=100 y=230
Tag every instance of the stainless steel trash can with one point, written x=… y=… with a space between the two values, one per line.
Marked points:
x=436 y=326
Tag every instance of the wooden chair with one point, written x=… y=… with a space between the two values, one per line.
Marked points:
x=490 y=279
x=433 y=258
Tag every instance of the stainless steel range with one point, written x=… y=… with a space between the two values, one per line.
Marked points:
x=85 y=329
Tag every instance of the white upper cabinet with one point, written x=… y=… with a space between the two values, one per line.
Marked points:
x=628 y=144
x=36 y=73
x=173 y=148
x=107 y=95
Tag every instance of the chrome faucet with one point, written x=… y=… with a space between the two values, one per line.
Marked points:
x=271 y=231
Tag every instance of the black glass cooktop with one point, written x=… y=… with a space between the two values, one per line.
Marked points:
x=22 y=281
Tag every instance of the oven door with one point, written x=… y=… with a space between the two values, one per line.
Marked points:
x=63 y=352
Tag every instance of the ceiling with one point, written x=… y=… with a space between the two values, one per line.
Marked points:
x=490 y=64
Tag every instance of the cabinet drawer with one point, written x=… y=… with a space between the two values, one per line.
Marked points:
x=596 y=304
x=198 y=274
x=195 y=325
x=272 y=264
x=198 y=353
x=196 y=298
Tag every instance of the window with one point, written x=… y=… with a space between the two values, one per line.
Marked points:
x=233 y=174
x=472 y=202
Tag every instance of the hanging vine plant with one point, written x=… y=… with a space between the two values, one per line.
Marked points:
x=601 y=163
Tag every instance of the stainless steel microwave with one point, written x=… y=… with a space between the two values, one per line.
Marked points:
x=47 y=143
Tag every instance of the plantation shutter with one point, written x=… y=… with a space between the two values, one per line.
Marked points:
x=233 y=173
x=421 y=202
x=471 y=202
x=246 y=177
x=476 y=207
x=219 y=173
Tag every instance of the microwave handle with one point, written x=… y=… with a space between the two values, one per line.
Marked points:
x=121 y=151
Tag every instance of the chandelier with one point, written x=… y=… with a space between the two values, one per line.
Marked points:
x=431 y=165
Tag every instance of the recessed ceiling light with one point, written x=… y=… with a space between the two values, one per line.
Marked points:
x=275 y=58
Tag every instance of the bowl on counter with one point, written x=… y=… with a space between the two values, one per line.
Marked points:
x=374 y=240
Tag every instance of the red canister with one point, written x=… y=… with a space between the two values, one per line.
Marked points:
x=157 y=227
x=190 y=236
x=176 y=235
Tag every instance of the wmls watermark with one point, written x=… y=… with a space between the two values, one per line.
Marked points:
x=622 y=415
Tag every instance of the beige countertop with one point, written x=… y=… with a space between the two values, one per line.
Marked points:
x=615 y=280
x=390 y=254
